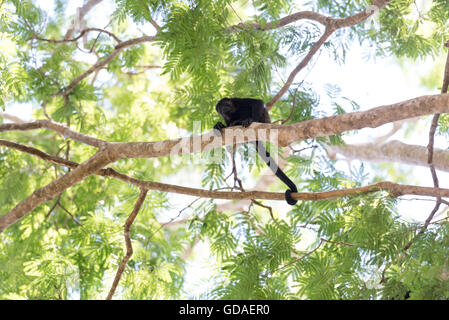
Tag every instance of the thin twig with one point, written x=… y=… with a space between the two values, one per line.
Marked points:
x=81 y=34
x=129 y=247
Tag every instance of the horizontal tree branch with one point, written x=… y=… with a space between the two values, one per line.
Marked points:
x=110 y=152
x=282 y=135
x=101 y=159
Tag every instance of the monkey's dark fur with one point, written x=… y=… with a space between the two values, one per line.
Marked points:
x=244 y=111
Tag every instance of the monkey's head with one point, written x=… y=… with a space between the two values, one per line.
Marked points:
x=225 y=107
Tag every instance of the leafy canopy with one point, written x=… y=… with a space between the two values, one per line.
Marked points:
x=70 y=247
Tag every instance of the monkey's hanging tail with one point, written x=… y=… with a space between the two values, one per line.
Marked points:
x=278 y=172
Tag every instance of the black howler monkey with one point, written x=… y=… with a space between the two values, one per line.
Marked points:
x=244 y=111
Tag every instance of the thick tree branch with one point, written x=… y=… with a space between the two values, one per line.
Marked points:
x=400 y=152
x=282 y=135
x=101 y=63
x=41 y=195
x=393 y=188
x=102 y=158
x=314 y=16
x=82 y=33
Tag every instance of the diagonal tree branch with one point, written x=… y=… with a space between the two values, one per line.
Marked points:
x=11 y=118
x=331 y=24
x=327 y=33
x=48 y=192
x=129 y=247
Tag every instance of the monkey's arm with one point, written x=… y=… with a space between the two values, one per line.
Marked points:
x=242 y=122
x=219 y=126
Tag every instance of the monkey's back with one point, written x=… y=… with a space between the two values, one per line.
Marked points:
x=245 y=109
